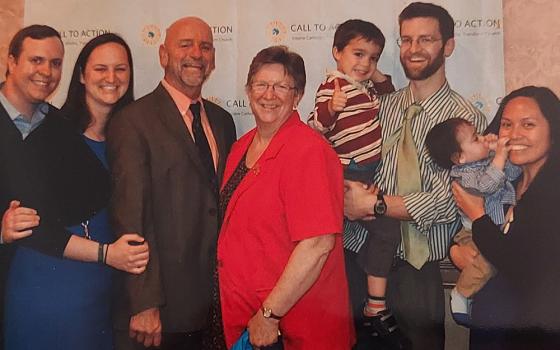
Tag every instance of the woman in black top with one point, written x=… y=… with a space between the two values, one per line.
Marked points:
x=519 y=308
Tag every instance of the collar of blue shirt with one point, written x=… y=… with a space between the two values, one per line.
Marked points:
x=22 y=123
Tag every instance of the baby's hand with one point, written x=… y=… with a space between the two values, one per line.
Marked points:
x=502 y=152
x=338 y=100
x=502 y=147
x=491 y=140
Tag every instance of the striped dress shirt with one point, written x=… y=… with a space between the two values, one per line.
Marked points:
x=433 y=210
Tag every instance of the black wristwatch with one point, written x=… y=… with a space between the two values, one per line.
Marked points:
x=380 y=207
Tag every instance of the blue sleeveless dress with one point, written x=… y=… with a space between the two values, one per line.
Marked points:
x=61 y=304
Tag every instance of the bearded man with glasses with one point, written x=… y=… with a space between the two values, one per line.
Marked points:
x=416 y=192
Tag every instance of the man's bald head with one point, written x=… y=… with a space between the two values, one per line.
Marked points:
x=187 y=55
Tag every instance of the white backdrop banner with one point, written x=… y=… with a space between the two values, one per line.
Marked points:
x=243 y=27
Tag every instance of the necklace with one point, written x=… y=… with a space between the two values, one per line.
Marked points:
x=85 y=225
x=509 y=219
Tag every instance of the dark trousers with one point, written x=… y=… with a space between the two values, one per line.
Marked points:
x=376 y=255
x=170 y=341
x=417 y=301
x=511 y=339
x=415 y=297
x=6 y=253
x=357 y=285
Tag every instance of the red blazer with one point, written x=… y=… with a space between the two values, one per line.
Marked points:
x=294 y=192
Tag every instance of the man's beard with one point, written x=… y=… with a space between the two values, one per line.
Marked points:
x=427 y=71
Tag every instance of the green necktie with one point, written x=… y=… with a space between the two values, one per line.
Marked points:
x=416 y=250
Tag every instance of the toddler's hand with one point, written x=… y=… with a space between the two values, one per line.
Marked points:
x=491 y=140
x=338 y=100
x=502 y=151
x=378 y=77
x=502 y=147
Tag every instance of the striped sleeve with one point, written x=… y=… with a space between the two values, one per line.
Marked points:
x=320 y=118
x=435 y=205
x=483 y=181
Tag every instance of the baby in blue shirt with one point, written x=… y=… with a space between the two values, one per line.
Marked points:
x=480 y=165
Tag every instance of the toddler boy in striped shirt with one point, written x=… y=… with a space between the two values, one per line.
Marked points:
x=346 y=113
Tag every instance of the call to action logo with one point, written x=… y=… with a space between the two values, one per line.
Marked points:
x=276 y=31
x=481 y=102
x=151 y=34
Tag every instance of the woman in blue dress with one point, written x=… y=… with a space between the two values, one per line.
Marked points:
x=54 y=303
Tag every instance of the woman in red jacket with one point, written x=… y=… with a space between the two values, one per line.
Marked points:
x=280 y=259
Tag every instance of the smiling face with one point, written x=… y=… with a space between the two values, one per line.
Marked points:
x=187 y=55
x=420 y=62
x=272 y=108
x=35 y=74
x=106 y=75
x=528 y=130
x=472 y=145
x=358 y=59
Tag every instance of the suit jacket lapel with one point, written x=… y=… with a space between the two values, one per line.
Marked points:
x=172 y=119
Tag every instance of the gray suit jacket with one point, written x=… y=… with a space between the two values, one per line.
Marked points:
x=161 y=191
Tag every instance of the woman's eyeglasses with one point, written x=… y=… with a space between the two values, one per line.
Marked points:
x=260 y=87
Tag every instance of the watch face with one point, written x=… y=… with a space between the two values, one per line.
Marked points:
x=267 y=312
x=380 y=208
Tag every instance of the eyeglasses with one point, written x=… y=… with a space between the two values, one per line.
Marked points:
x=424 y=41
x=260 y=87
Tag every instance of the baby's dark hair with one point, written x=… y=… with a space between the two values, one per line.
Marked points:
x=357 y=28
x=441 y=141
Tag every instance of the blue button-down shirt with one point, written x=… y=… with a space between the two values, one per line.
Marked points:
x=24 y=125
x=483 y=179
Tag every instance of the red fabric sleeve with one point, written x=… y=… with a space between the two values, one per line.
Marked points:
x=312 y=191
